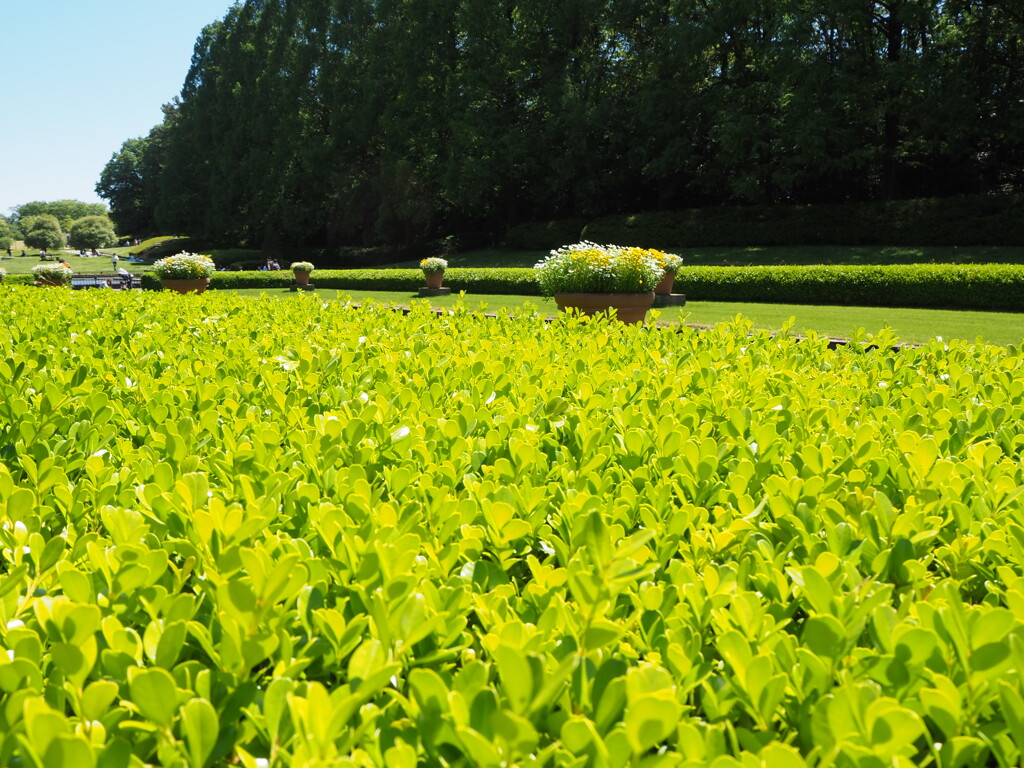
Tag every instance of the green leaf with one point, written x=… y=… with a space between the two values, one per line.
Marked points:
x=649 y=720
x=516 y=677
x=201 y=727
x=66 y=751
x=97 y=697
x=153 y=691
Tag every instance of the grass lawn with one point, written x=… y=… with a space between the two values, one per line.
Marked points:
x=835 y=254
x=80 y=264
x=910 y=325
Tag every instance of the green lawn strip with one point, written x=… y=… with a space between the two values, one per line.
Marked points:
x=812 y=254
x=910 y=325
x=80 y=264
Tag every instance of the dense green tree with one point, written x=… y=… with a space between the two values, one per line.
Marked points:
x=396 y=121
x=131 y=180
x=92 y=232
x=42 y=231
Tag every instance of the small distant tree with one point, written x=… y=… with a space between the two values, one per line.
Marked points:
x=6 y=234
x=42 y=231
x=92 y=232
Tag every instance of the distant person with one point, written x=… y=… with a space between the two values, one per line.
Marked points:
x=22 y=251
x=43 y=255
x=126 y=278
x=9 y=254
x=113 y=261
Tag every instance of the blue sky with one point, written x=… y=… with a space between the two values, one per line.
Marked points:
x=80 y=77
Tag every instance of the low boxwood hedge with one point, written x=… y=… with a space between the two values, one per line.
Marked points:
x=938 y=286
x=955 y=286
x=517 y=281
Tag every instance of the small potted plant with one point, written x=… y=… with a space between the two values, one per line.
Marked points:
x=433 y=270
x=596 y=278
x=52 y=274
x=301 y=270
x=670 y=264
x=185 y=272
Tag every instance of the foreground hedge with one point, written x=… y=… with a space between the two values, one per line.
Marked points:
x=939 y=286
x=952 y=221
x=365 y=539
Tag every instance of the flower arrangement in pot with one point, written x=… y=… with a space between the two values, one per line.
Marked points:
x=301 y=270
x=670 y=264
x=185 y=272
x=52 y=274
x=596 y=278
x=433 y=270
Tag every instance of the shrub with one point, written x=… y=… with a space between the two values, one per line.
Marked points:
x=505 y=281
x=959 y=286
x=974 y=286
x=367 y=538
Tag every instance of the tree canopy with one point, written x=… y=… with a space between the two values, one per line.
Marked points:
x=92 y=232
x=42 y=231
x=65 y=211
x=387 y=121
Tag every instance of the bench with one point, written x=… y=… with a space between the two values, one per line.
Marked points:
x=117 y=282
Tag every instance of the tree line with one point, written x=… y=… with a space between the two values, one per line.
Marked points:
x=390 y=121
x=50 y=225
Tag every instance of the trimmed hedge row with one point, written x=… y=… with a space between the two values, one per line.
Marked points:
x=511 y=280
x=954 y=286
x=946 y=222
x=19 y=279
x=936 y=286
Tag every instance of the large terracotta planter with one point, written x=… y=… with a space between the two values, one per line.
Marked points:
x=301 y=277
x=630 y=307
x=664 y=288
x=434 y=278
x=196 y=285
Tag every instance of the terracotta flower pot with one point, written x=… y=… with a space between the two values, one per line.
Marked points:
x=434 y=279
x=301 y=277
x=630 y=308
x=664 y=288
x=195 y=285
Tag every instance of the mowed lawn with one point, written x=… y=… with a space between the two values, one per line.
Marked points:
x=20 y=265
x=909 y=325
